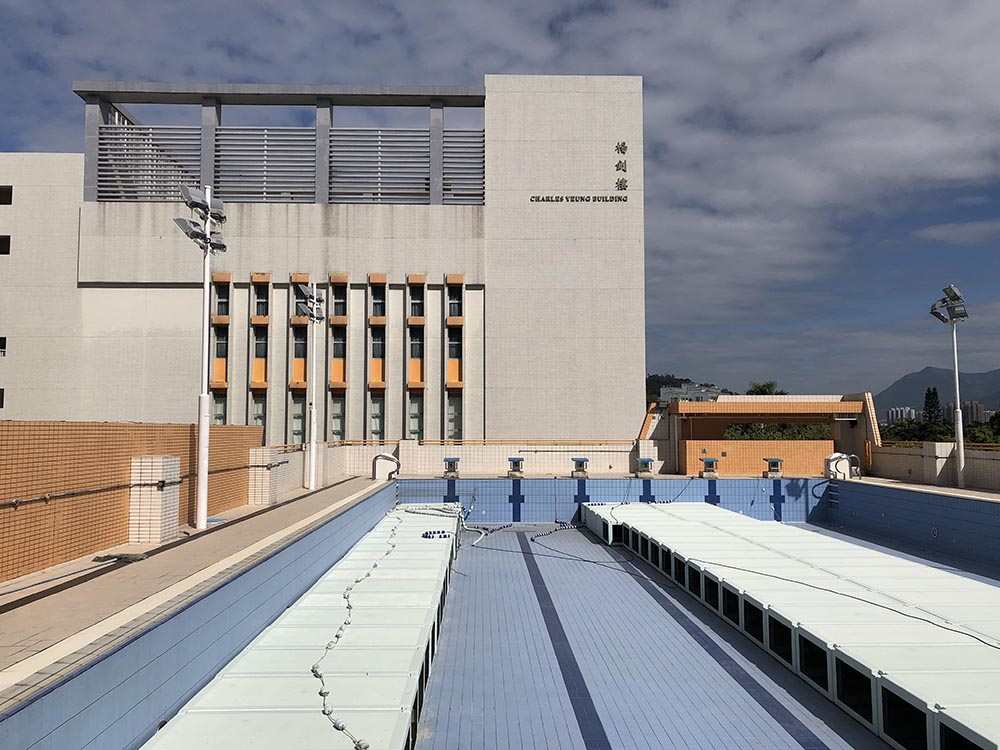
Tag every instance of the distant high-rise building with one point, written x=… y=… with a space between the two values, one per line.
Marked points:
x=973 y=411
x=899 y=413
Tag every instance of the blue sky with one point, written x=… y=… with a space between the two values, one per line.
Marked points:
x=816 y=171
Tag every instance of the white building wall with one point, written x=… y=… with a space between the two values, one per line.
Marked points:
x=101 y=302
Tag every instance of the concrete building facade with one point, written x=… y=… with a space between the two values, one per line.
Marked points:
x=479 y=284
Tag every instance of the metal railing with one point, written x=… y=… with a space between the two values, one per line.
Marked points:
x=265 y=164
x=373 y=165
x=463 y=171
x=142 y=163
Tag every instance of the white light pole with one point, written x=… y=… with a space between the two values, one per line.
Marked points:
x=210 y=244
x=312 y=306
x=313 y=356
x=955 y=312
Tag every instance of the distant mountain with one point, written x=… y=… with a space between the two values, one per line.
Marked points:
x=983 y=387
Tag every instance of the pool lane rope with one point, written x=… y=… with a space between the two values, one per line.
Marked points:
x=324 y=691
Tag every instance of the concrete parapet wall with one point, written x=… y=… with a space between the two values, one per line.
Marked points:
x=937 y=464
x=491 y=459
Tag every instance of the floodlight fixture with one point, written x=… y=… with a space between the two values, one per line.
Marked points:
x=193 y=230
x=196 y=200
x=952 y=293
x=939 y=315
x=957 y=312
x=216 y=244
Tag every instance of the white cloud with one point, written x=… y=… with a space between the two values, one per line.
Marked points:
x=770 y=127
x=962 y=232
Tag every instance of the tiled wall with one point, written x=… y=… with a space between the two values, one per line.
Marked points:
x=941 y=523
x=548 y=500
x=56 y=457
x=937 y=463
x=119 y=700
x=802 y=458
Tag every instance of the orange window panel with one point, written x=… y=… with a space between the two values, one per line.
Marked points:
x=378 y=370
x=416 y=371
x=299 y=370
x=259 y=370
x=219 y=370
x=454 y=371
x=338 y=371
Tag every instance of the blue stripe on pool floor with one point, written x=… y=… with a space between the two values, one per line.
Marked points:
x=497 y=680
x=594 y=736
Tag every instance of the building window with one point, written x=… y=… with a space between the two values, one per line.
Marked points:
x=378 y=301
x=454 y=421
x=417 y=300
x=454 y=302
x=260 y=297
x=454 y=343
x=378 y=417
x=258 y=410
x=1 y=398
x=339 y=299
x=378 y=343
x=338 y=412
x=222 y=299
x=260 y=342
x=416 y=343
x=6 y=195
x=3 y=346
x=339 y=350
x=219 y=408
x=298 y=418
x=221 y=342
x=299 y=346
x=416 y=417
x=4 y=244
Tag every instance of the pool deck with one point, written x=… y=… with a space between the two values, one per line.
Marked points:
x=48 y=633
x=578 y=645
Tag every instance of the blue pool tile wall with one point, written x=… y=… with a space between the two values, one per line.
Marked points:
x=548 y=500
x=961 y=527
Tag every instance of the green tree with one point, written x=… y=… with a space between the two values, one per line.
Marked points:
x=932 y=408
x=980 y=432
x=765 y=388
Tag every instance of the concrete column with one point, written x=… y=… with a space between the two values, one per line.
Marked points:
x=324 y=121
x=93 y=118
x=211 y=118
x=437 y=151
x=155 y=502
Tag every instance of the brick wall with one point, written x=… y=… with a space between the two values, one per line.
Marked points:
x=745 y=458
x=94 y=458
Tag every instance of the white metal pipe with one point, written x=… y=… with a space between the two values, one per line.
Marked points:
x=959 y=436
x=204 y=400
x=313 y=355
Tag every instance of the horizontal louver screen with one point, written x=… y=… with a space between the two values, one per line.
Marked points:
x=140 y=163
x=265 y=164
x=380 y=166
x=464 y=160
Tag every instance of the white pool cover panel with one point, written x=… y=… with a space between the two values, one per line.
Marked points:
x=909 y=650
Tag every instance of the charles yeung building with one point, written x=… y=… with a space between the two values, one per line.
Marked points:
x=479 y=283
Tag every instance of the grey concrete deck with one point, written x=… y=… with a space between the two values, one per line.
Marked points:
x=48 y=637
x=582 y=646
